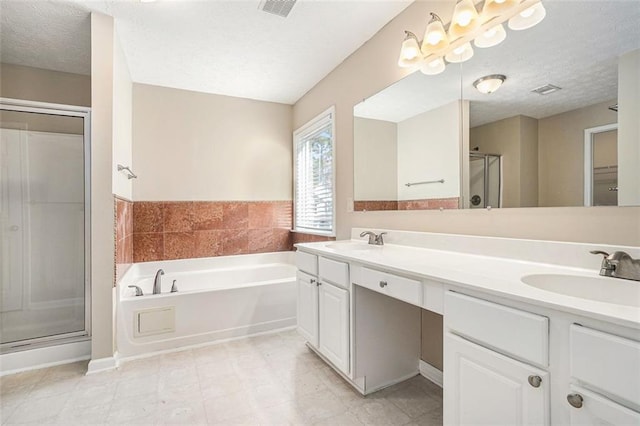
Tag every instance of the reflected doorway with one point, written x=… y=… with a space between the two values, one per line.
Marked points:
x=601 y=166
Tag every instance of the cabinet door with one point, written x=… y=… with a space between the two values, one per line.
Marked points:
x=307 y=307
x=334 y=325
x=483 y=387
x=597 y=410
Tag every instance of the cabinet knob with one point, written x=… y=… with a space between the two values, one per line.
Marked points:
x=313 y=280
x=535 y=381
x=383 y=284
x=575 y=400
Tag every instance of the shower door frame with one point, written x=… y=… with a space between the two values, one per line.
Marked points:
x=20 y=105
x=485 y=158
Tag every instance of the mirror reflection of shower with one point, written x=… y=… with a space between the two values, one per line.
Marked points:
x=485 y=185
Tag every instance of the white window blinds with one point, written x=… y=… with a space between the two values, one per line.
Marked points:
x=313 y=168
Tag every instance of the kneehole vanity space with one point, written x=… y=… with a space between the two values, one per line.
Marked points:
x=514 y=353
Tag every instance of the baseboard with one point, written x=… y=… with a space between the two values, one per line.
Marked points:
x=431 y=373
x=102 y=364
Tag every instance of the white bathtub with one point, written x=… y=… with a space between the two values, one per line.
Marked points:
x=218 y=298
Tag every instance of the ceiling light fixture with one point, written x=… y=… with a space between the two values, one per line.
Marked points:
x=489 y=83
x=454 y=44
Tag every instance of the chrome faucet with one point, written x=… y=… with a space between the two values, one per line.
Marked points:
x=374 y=239
x=619 y=265
x=157 y=283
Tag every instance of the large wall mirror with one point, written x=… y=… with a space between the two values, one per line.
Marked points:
x=575 y=141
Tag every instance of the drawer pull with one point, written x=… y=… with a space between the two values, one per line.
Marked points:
x=575 y=400
x=313 y=280
x=535 y=381
x=383 y=284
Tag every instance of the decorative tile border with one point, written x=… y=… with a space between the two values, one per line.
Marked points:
x=367 y=206
x=430 y=204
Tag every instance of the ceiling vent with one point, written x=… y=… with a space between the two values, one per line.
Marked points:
x=277 y=7
x=546 y=89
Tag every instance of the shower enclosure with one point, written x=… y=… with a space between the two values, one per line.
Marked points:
x=485 y=175
x=44 y=208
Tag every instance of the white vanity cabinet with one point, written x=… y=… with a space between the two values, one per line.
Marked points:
x=489 y=376
x=323 y=306
x=609 y=366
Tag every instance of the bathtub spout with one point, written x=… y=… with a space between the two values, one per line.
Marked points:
x=157 y=283
x=174 y=287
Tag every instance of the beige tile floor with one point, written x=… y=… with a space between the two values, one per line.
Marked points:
x=272 y=380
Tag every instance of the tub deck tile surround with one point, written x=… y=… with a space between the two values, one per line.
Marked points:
x=123 y=233
x=264 y=380
x=192 y=229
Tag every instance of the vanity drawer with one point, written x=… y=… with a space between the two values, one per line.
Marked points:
x=307 y=262
x=334 y=271
x=394 y=286
x=517 y=333
x=607 y=362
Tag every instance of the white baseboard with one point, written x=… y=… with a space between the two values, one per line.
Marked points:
x=431 y=373
x=102 y=364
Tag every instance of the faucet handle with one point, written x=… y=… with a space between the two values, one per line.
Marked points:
x=604 y=253
x=379 y=240
x=138 y=290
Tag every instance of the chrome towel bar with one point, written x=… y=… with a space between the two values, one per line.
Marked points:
x=130 y=174
x=425 y=182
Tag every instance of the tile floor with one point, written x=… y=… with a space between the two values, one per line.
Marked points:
x=272 y=380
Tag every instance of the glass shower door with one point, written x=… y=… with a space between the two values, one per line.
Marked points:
x=43 y=200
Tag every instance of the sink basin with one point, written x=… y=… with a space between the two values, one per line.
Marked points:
x=350 y=245
x=600 y=289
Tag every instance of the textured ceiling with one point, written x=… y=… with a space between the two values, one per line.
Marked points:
x=575 y=47
x=225 y=47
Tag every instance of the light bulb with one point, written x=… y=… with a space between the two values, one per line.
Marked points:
x=410 y=51
x=435 y=39
x=465 y=19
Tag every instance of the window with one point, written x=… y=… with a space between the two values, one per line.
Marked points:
x=314 y=190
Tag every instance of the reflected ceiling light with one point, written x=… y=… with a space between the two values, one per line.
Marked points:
x=433 y=66
x=486 y=30
x=465 y=19
x=489 y=83
x=435 y=37
x=410 y=54
x=461 y=53
x=491 y=37
x=528 y=17
x=493 y=8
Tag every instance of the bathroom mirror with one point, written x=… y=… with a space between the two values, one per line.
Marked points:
x=407 y=144
x=568 y=147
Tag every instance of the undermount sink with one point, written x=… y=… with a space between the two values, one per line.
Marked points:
x=350 y=245
x=600 y=289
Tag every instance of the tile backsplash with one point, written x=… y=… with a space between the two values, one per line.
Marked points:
x=426 y=204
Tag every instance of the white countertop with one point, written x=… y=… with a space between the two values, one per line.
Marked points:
x=492 y=275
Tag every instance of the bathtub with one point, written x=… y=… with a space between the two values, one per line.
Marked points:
x=218 y=298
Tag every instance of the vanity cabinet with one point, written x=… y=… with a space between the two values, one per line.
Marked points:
x=485 y=387
x=323 y=306
x=609 y=366
x=489 y=372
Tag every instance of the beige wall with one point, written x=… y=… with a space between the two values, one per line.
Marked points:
x=102 y=208
x=629 y=130
x=34 y=84
x=198 y=146
x=561 y=153
x=376 y=160
x=429 y=149
x=122 y=121
x=374 y=67
x=516 y=139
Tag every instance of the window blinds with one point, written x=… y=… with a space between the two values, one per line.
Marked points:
x=314 y=177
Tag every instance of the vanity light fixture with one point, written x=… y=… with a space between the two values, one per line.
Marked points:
x=465 y=19
x=435 y=37
x=489 y=83
x=454 y=44
x=460 y=54
x=528 y=17
x=410 y=54
x=492 y=37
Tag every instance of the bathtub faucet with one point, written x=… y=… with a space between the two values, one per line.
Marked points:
x=157 y=283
